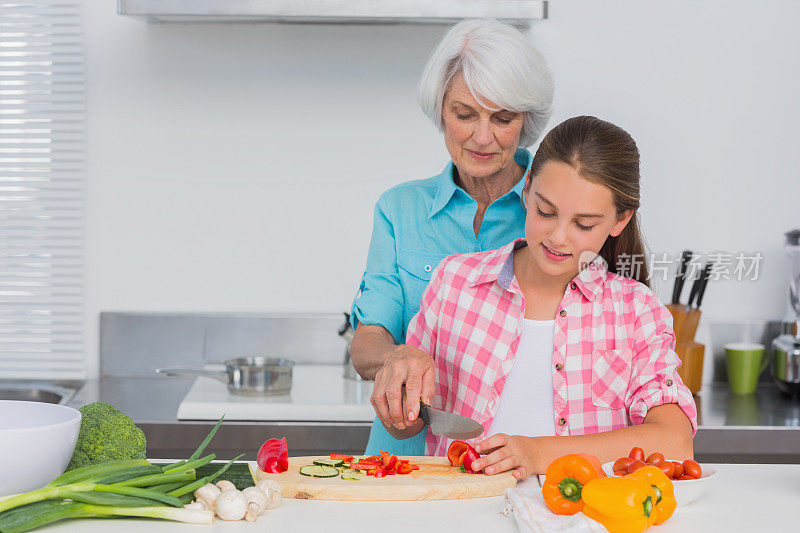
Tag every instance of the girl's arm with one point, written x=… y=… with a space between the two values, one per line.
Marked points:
x=666 y=429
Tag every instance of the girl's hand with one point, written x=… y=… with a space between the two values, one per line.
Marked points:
x=406 y=375
x=506 y=452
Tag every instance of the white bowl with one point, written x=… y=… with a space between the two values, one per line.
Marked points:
x=686 y=491
x=36 y=443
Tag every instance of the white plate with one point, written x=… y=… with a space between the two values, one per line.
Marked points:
x=686 y=491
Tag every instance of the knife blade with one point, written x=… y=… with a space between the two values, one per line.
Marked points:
x=449 y=425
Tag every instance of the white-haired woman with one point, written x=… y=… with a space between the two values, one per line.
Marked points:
x=490 y=93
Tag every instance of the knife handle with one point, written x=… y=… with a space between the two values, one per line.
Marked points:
x=423 y=414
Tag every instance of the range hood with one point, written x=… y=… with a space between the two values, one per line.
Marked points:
x=518 y=12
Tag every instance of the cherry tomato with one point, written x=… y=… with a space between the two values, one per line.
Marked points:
x=622 y=463
x=691 y=468
x=634 y=466
x=654 y=459
x=685 y=478
x=678 y=469
x=620 y=472
x=637 y=454
x=667 y=467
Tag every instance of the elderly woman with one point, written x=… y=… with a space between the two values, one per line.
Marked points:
x=490 y=93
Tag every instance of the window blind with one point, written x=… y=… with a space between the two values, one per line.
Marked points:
x=42 y=127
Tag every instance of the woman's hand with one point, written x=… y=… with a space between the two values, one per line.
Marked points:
x=507 y=452
x=406 y=375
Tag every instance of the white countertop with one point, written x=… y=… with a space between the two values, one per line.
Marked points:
x=319 y=393
x=741 y=498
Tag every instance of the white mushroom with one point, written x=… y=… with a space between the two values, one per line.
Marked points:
x=196 y=505
x=207 y=494
x=231 y=505
x=272 y=489
x=256 y=503
x=224 y=485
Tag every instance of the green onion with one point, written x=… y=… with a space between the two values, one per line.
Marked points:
x=191 y=465
x=46 y=512
x=157 y=479
x=191 y=487
x=95 y=471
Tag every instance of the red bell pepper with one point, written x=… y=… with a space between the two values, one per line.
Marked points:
x=380 y=472
x=456 y=450
x=341 y=457
x=389 y=460
x=468 y=458
x=405 y=468
x=273 y=456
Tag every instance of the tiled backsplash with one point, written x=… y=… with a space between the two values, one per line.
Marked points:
x=133 y=344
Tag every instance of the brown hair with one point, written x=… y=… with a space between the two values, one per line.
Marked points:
x=605 y=154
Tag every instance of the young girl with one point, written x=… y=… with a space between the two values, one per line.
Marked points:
x=541 y=341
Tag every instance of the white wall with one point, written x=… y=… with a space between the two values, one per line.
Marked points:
x=233 y=167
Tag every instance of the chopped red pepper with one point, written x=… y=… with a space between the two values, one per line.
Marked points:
x=414 y=467
x=380 y=472
x=273 y=456
x=341 y=457
x=468 y=458
x=456 y=450
x=389 y=460
x=365 y=465
x=405 y=468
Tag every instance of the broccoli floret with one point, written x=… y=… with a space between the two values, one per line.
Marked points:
x=106 y=434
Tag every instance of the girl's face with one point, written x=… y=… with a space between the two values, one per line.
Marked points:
x=567 y=215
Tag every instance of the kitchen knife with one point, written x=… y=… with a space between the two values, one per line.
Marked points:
x=675 y=307
x=449 y=425
x=680 y=276
x=706 y=275
x=693 y=313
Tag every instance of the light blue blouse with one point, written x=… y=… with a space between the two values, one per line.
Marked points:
x=416 y=225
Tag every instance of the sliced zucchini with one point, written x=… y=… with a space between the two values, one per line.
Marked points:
x=319 y=471
x=350 y=474
x=329 y=462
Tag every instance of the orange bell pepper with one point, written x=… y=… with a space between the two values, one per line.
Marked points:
x=621 y=504
x=565 y=479
x=665 y=493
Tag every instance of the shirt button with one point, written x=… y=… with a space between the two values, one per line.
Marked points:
x=669 y=383
x=562 y=421
x=563 y=312
x=427 y=268
x=573 y=286
x=559 y=366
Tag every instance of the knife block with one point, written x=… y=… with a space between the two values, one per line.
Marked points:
x=691 y=370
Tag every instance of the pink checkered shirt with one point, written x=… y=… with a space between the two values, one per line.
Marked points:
x=613 y=356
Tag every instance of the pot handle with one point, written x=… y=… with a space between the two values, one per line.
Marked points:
x=222 y=375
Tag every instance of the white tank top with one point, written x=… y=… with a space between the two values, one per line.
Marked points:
x=526 y=403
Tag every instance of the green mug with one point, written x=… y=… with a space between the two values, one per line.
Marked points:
x=745 y=362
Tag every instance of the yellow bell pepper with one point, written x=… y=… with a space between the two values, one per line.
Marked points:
x=621 y=504
x=665 y=493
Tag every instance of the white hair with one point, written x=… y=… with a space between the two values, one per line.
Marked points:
x=499 y=65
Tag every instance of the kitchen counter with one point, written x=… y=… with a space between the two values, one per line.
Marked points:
x=739 y=498
x=764 y=427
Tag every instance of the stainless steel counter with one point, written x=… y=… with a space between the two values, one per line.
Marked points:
x=762 y=428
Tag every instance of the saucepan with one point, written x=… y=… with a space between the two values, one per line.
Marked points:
x=250 y=376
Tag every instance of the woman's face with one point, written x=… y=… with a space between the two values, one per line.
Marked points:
x=567 y=215
x=481 y=142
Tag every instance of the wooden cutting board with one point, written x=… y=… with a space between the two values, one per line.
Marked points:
x=435 y=480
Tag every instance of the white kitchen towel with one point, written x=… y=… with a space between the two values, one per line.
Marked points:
x=532 y=515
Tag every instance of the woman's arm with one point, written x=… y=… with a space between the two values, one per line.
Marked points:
x=369 y=349
x=400 y=372
x=666 y=429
